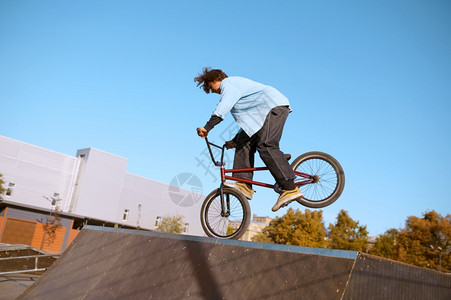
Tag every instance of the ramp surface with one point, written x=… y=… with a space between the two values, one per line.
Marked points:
x=124 y=264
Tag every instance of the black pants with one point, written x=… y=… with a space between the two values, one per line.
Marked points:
x=266 y=142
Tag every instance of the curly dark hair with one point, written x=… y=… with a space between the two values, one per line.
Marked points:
x=207 y=76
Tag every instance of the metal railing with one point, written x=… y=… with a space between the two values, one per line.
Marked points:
x=36 y=263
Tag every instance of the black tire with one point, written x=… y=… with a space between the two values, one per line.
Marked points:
x=331 y=179
x=225 y=227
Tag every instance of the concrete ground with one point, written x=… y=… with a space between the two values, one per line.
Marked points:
x=13 y=285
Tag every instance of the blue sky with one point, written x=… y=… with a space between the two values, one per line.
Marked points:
x=369 y=83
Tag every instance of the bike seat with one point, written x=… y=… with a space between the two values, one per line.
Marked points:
x=288 y=156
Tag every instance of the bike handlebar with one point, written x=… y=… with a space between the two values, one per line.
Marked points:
x=216 y=163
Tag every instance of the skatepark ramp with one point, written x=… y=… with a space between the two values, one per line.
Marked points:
x=107 y=263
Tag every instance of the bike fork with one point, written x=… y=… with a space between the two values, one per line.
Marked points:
x=225 y=201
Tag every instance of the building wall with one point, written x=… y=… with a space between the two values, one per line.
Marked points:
x=36 y=173
x=98 y=190
x=92 y=184
x=146 y=200
x=22 y=226
x=255 y=227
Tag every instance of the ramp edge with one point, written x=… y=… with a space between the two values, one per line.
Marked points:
x=256 y=245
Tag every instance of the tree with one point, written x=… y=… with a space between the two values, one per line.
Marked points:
x=171 y=224
x=346 y=234
x=296 y=228
x=423 y=240
x=385 y=245
x=262 y=238
x=52 y=223
x=2 y=189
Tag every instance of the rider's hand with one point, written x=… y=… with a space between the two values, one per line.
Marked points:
x=230 y=144
x=202 y=132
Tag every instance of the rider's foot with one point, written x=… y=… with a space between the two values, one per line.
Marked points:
x=286 y=197
x=242 y=188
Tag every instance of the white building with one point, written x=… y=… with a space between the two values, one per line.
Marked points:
x=255 y=227
x=93 y=184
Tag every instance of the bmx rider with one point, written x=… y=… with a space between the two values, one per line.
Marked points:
x=261 y=111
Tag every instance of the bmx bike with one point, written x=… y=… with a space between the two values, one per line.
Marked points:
x=225 y=212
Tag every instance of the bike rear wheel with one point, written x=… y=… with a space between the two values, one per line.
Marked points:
x=329 y=179
x=232 y=223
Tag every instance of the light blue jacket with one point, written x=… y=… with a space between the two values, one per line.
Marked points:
x=248 y=101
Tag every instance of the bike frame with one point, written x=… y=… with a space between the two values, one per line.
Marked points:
x=224 y=177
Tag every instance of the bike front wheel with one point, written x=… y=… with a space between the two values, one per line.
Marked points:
x=328 y=182
x=228 y=221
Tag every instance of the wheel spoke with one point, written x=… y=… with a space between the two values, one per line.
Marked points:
x=225 y=225
x=327 y=183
